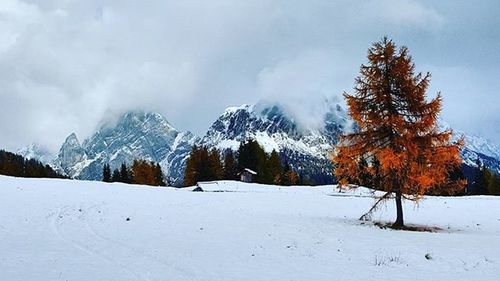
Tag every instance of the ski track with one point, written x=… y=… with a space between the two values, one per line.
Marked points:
x=73 y=227
x=58 y=228
x=159 y=263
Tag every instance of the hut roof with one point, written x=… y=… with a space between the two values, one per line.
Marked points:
x=250 y=171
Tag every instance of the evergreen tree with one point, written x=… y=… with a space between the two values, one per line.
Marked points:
x=492 y=182
x=273 y=168
x=484 y=182
x=494 y=185
x=478 y=185
x=16 y=165
x=252 y=156
x=229 y=166
x=125 y=175
x=203 y=167
x=398 y=126
x=106 y=173
x=116 y=176
x=215 y=168
x=159 y=178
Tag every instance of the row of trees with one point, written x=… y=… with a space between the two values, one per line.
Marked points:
x=16 y=165
x=207 y=165
x=368 y=174
x=141 y=172
x=485 y=182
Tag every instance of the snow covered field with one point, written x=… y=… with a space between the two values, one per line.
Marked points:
x=77 y=230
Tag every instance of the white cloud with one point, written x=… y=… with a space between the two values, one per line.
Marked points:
x=301 y=85
x=402 y=13
x=64 y=65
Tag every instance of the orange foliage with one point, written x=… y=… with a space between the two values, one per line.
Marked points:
x=396 y=126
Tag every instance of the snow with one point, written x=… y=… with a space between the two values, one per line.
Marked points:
x=228 y=144
x=232 y=109
x=37 y=152
x=251 y=171
x=78 y=230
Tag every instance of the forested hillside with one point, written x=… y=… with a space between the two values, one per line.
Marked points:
x=15 y=165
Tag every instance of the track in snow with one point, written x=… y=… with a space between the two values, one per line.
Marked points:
x=73 y=226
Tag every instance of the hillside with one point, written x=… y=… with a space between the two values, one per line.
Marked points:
x=82 y=230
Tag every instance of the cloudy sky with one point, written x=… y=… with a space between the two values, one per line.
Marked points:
x=66 y=65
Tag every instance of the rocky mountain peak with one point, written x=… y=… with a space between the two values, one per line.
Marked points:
x=135 y=135
x=38 y=152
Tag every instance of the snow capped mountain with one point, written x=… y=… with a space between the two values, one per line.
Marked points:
x=476 y=149
x=38 y=152
x=136 y=135
x=72 y=158
x=305 y=148
x=149 y=136
x=481 y=145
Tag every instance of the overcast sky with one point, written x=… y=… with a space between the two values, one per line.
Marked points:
x=65 y=65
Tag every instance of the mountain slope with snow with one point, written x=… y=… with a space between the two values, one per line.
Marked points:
x=306 y=149
x=37 y=152
x=81 y=230
x=475 y=149
x=139 y=135
x=136 y=135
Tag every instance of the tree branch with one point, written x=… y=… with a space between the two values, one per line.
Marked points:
x=367 y=215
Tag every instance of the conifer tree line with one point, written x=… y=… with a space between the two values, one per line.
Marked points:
x=368 y=174
x=12 y=164
x=141 y=172
x=484 y=181
x=206 y=164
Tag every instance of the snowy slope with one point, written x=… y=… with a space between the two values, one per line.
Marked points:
x=78 y=230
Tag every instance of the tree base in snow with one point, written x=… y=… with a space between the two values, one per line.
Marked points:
x=418 y=228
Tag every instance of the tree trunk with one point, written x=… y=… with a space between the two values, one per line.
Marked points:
x=399 y=223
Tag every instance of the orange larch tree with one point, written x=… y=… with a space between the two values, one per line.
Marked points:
x=397 y=129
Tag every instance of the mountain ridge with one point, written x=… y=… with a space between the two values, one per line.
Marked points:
x=149 y=136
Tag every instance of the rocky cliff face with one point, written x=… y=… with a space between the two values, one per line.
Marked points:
x=306 y=149
x=136 y=135
x=72 y=157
